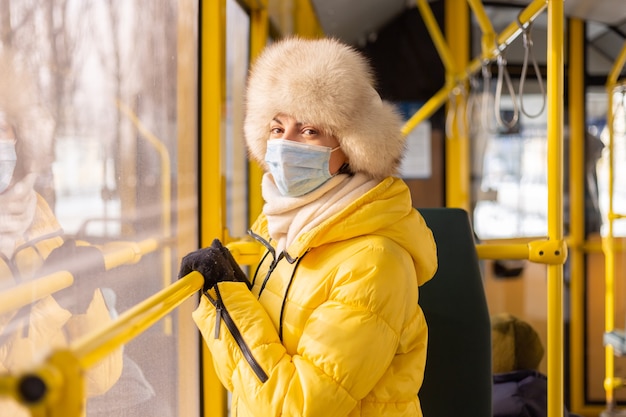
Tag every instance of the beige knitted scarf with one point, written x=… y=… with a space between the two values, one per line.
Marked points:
x=289 y=217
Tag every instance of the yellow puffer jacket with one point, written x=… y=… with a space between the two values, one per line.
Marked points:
x=335 y=329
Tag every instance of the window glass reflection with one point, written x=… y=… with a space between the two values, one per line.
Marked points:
x=89 y=137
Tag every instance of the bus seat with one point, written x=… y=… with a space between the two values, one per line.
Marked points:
x=458 y=379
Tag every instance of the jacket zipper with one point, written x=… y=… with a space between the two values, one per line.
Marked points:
x=222 y=314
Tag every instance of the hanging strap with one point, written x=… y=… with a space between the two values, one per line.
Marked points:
x=528 y=54
x=503 y=74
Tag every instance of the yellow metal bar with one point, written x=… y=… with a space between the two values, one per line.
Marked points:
x=115 y=254
x=549 y=252
x=96 y=345
x=61 y=376
x=438 y=39
x=124 y=253
x=577 y=212
x=31 y=291
x=555 y=205
x=212 y=182
x=457 y=142
x=508 y=35
x=609 y=240
x=617 y=67
x=259 y=32
x=513 y=30
x=501 y=251
x=428 y=109
x=245 y=252
x=488 y=40
x=306 y=21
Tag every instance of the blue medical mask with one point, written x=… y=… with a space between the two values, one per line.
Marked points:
x=298 y=168
x=8 y=159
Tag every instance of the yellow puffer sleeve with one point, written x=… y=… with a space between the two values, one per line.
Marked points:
x=345 y=348
x=103 y=375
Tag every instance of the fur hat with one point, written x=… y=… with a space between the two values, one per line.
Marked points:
x=330 y=85
x=515 y=344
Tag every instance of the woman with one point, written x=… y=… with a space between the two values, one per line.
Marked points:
x=329 y=324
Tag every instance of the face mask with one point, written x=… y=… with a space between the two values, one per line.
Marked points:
x=8 y=159
x=297 y=168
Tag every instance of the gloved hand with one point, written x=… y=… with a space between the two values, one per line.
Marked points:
x=86 y=264
x=215 y=263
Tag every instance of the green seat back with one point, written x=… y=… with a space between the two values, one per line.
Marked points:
x=457 y=380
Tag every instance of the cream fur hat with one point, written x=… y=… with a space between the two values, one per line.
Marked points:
x=329 y=85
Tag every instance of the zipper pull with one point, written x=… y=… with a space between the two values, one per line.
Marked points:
x=218 y=319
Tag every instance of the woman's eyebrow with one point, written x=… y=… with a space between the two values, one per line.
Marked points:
x=277 y=120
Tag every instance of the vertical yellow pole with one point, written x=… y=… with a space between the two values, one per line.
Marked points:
x=555 y=205
x=577 y=209
x=306 y=23
x=609 y=262
x=187 y=191
x=457 y=144
x=212 y=103
x=610 y=382
x=259 y=30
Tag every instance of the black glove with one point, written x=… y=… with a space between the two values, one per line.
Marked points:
x=215 y=263
x=86 y=264
x=240 y=276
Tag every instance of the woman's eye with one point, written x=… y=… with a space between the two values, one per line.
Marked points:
x=276 y=131
x=309 y=132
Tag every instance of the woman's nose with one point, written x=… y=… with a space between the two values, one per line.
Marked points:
x=290 y=134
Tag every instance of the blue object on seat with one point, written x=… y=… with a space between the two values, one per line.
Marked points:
x=458 y=379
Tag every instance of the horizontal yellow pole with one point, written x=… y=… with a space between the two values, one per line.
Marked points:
x=125 y=253
x=115 y=254
x=245 y=252
x=98 y=344
x=28 y=292
x=549 y=252
x=502 y=251
x=513 y=30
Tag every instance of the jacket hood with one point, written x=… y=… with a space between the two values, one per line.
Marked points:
x=386 y=210
x=329 y=85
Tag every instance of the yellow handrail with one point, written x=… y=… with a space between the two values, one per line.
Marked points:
x=549 y=252
x=60 y=379
x=115 y=254
x=97 y=345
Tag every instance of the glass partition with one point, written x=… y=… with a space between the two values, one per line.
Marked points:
x=93 y=128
